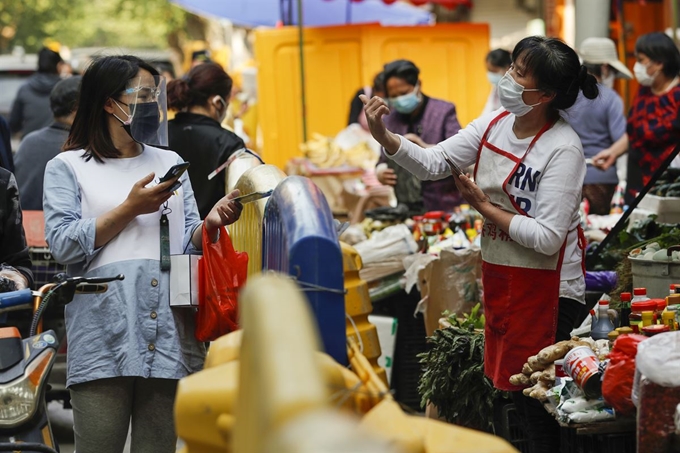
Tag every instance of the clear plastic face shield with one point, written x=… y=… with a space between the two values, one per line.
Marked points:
x=146 y=99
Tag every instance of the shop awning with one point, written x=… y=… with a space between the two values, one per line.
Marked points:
x=253 y=13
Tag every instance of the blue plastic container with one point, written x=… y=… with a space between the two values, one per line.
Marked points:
x=300 y=239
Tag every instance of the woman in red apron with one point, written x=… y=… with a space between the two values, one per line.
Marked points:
x=528 y=178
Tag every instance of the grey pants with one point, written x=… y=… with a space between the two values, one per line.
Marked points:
x=103 y=410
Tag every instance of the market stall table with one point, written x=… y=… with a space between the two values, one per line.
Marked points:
x=601 y=437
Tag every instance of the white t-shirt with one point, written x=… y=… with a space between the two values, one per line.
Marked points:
x=552 y=192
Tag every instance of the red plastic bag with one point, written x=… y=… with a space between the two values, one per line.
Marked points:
x=617 y=383
x=222 y=273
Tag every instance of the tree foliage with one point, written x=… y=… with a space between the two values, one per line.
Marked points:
x=86 y=23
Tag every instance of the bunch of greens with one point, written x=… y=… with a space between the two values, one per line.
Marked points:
x=453 y=378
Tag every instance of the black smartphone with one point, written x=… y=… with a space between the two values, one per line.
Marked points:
x=455 y=169
x=174 y=172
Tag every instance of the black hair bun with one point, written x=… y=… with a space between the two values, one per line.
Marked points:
x=588 y=83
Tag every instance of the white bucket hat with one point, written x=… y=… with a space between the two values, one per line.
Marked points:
x=603 y=51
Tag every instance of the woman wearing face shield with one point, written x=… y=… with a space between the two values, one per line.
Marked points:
x=104 y=215
x=202 y=100
x=653 y=122
x=425 y=121
x=527 y=185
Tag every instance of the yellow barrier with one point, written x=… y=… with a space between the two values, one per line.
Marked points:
x=358 y=306
x=246 y=232
x=340 y=60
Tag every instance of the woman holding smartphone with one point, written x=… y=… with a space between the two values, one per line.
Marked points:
x=527 y=185
x=106 y=214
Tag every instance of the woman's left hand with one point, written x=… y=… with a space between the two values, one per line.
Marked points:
x=470 y=191
x=225 y=212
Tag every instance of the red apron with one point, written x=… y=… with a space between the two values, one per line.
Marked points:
x=521 y=286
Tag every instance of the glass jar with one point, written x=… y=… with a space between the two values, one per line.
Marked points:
x=635 y=318
x=433 y=223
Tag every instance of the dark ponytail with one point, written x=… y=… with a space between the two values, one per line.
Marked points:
x=179 y=94
x=588 y=84
x=202 y=82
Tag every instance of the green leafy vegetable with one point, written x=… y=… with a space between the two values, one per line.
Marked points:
x=453 y=377
x=470 y=321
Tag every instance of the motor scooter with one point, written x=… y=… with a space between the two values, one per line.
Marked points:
x=26 y=363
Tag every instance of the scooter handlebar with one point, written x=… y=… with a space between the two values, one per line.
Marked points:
x=98 y=280
x=14 y=299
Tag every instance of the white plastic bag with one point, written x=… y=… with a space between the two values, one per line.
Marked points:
x=658 y=359
x=393 y=241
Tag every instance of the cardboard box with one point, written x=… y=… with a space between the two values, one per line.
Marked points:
x=184 y=280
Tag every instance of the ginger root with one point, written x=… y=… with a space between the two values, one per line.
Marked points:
x=553 y=352
x=535 y=364
x=520 y=379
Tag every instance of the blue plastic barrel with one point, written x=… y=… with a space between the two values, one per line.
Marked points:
x=300 y=239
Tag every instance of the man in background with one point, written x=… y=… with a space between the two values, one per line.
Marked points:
x=31 y=107
x=39 y=147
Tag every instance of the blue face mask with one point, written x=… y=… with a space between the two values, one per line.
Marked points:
x=406 y=103
x=493 y=77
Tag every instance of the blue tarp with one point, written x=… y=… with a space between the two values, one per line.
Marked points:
x=253 y=13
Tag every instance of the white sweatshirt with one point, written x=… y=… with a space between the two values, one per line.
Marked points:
x=549 y=183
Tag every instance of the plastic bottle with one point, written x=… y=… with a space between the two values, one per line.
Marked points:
x=639 y=294
x=668 y=319
x=638 y=303
x=600 y=330
x=625 y=309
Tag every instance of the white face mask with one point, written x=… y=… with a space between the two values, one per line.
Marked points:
x=608 y=81
x=493 y=77
x=510 y=95
x=641 y=75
